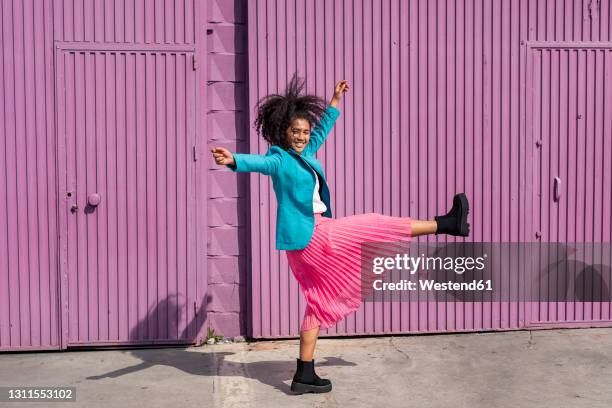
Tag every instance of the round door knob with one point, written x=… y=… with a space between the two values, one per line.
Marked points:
x=93 y=199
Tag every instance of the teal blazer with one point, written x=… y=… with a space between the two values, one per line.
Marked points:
x=293 y=183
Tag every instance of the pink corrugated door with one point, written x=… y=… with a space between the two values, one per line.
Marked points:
x=569 y=136
x=438 y=105
x=434 y=109
x=126 y=126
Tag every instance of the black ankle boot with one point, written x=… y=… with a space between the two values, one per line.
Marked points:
x=306 y=380
x=455 y=222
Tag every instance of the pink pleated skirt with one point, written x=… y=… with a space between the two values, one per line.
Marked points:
x=329 y=269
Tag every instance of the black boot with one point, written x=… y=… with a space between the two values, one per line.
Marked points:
x=455 y=222
x=306 y=380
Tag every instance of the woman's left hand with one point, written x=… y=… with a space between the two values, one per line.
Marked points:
x=341 y=87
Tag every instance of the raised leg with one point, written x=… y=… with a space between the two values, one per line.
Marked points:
x=422 y=227
x=452 y=223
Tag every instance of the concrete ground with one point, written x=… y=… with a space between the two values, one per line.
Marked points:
x=545 y=368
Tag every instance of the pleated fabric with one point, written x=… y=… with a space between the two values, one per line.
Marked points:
x=330 y=271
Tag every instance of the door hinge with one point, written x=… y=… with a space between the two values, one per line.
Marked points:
x=194 y=62
x=195 y=153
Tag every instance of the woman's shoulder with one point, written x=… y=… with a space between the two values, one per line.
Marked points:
x=276 y=150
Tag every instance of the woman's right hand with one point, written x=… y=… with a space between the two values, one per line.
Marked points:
x=223 y=156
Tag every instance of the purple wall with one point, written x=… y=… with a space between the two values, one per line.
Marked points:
x=107 y=98
x=569 y=116
x=439 y=104
x=446 y=77
x=128 y=260
x=228 y=196
x=29 y=251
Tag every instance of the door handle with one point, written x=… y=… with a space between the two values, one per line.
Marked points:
x=93 y=199
x=557 y=188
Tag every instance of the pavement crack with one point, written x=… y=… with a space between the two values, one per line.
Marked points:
x=531 y=341
x=402 y=352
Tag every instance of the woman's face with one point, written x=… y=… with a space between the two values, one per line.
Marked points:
x=298 y=134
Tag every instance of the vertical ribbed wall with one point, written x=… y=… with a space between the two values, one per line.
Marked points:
x=437 y=106
x=129 y=262
x=31 y=315
x=570 y=118
x=127 y=21
x=437 y=86
x=28 y=200
x=571 y=92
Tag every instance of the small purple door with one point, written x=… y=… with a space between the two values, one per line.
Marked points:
x=126 y=131
x=569 y=129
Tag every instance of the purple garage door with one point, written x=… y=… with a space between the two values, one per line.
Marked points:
x=438 y=105
x=126 y=126
x=101 y=95
x=569 y=128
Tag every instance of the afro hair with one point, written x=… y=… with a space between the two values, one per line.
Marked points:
x=275 y=112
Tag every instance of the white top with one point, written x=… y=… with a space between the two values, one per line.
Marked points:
x=318 y=206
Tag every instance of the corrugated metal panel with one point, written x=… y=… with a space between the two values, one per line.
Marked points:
x=437 y=106
x=130 y=21
x=571 y=122
x=28 y=200
x=150 y=37
x=130 y=262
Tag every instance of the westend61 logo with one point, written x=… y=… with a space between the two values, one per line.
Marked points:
x=428 y=263
x=411 y=264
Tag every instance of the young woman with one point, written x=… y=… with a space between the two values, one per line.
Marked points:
x=323 y=252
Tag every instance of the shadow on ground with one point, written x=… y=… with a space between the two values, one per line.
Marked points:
x=269 y=372
x=209 y=363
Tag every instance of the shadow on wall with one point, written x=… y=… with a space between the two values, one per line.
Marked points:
x=163 y=319
x=243 y=132
x=244 y=210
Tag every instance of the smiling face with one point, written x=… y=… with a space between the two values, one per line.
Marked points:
x=298 y=134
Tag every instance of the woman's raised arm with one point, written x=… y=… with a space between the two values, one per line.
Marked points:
x=243 y=162
x=321 y=130
x=340 y=88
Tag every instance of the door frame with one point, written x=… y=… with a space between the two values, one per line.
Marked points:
x=199 y=173
x=528 y=93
